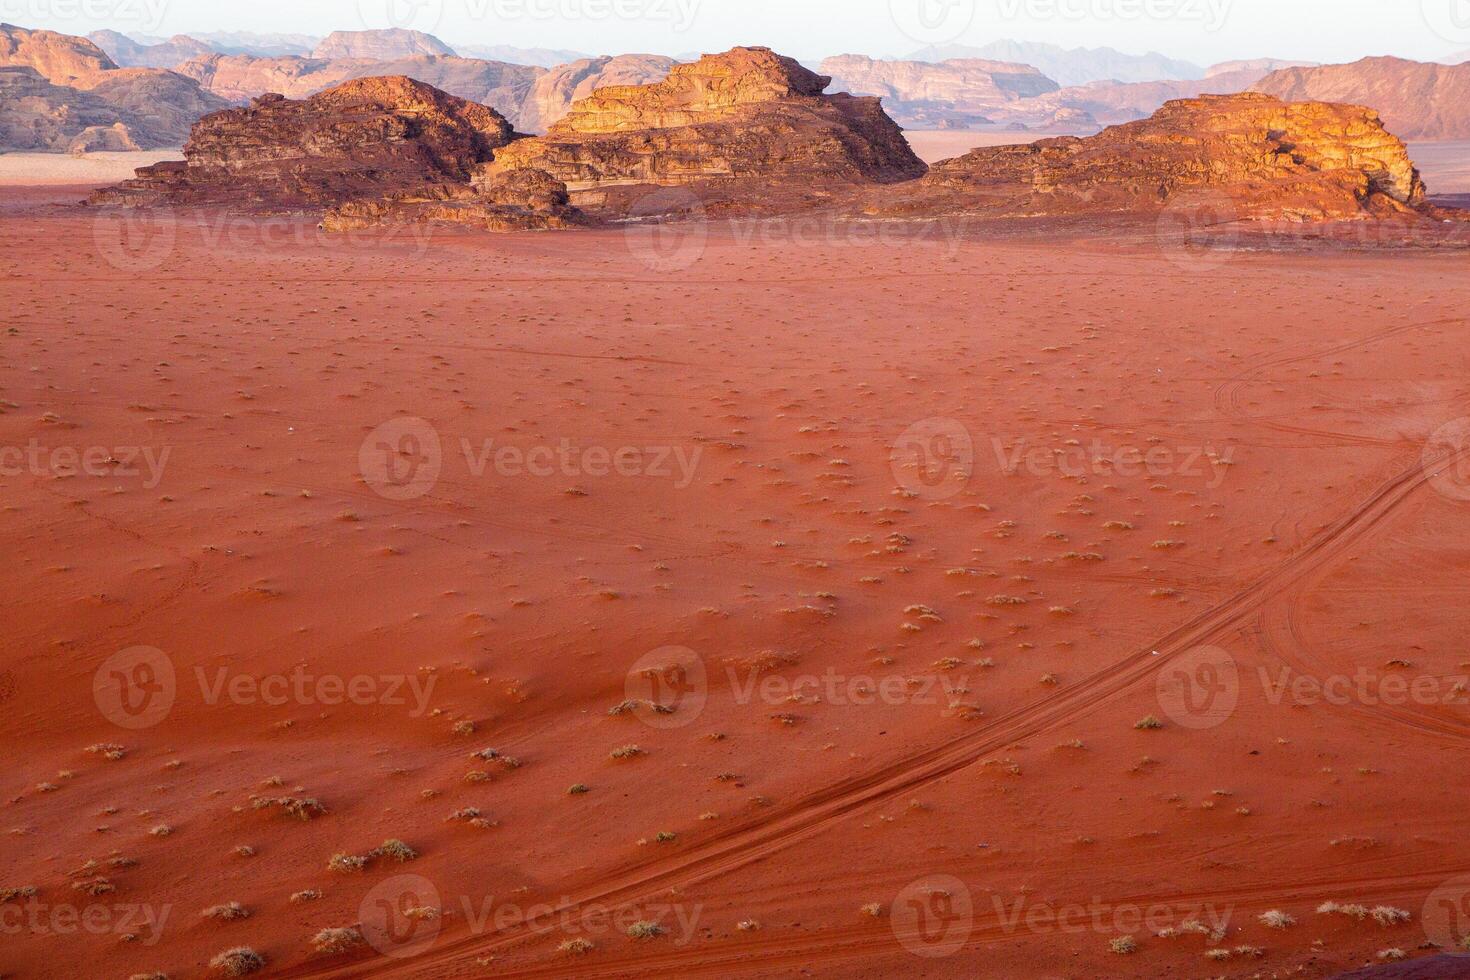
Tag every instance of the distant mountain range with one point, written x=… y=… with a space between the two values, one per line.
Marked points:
x=1075 y=66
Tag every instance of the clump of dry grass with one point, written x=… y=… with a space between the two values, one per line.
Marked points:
x=338 y=940
x=346 y=863
x=1387 y=916
x=308 y=895
x=228 y=912
x=24 y=891
x=628 y=752
x=395 y=849
x=108 y=750
x=238 y=962
x=1123 y=945
x=302 y=808
x=577 y=789
x=1392 y=955
x=645 y=930
x=748 y=925
x=575 y=947
x=1149 y=724
x=872 y=909
x=1277 y=919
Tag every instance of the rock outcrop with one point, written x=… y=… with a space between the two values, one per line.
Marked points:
x=129 y=108
x=746 y=126
x=555 y=92
x=1268 y=158
x=362 y=140
x=131 y=53
x=1418 y=101
x=923 y=95
x=240 y=78
x=522 y=200
x=388 y=45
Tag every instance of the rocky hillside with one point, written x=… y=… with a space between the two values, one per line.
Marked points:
x=1270 y=159
x=1418 y=101
x=748 y=125
x=164 y=54
x=362 y=139
x=85 y=92
x=922 y=95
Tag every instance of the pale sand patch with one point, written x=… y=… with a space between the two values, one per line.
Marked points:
x=40 y=169
x=1445 y=166
x=933 y=145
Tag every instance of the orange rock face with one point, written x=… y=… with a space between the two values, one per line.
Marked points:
x=1418 y=101
x=366 y=138
x=1300 y=161
x=748 y=116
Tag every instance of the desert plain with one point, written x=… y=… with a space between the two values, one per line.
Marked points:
x=742 y=598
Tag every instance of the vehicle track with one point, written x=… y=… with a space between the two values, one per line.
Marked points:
x=753 y=841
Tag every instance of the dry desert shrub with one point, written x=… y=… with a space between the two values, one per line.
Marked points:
x=577 y=789
x=395 y=849
x=1393 y=955
x=346 y=863
x=307 y=895
x=1149 y=724
x=575 y=947
x=645 y=930
x=24 y=891
x=872 y=909
x=302 y=808
x=628 y=752
x=1277 y=919
x=1123 y=945
x=1387 y=916
x=238 y=962
x=228 y=912
x=748 y=925
x=337 y=940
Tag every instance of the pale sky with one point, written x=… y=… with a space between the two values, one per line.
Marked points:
x=1202 y=31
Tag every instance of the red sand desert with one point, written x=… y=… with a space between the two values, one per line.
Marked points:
x=939 y=522
x=706 y=539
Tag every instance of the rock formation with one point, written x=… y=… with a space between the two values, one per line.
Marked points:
x=126 y=108
x=554 y=93
x=388 y=45
x=522 y=200
x=1418 y=101
x=130 y=53
x=922 y=95
x=747 y=126
x=1270 y=159
x=240 y=78
x=364 y=139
